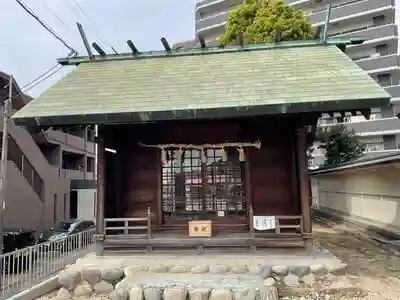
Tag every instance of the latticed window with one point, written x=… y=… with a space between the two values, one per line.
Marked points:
x=200 y=183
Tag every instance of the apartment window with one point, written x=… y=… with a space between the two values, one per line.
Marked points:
x=66 y=212
x=382 y=49
x=384 y=79
x=38 y=185
x=379 y=20
x=28 y=170
x=55 y=205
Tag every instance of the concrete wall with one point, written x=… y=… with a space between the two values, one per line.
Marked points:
x=368 y=195
x=86 y=203
x=23 y=207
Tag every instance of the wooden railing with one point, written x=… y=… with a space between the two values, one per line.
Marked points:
x=283 y=225
x=125 y=226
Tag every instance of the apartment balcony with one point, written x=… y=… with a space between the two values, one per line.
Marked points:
x=377 y=126
x=348 y=10
x=69 y=141
x=384 y=63
x=216 y=20
x=372 y=32
x=76 y=174
x=394 y=91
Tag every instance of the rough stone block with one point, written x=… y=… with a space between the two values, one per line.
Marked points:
x=179 y=269
x=265 y=272
x=119 y=294
x=308 y=279
x=91 y=274
x=255 y=269
x=136 y=293
x=132 y=270
x=280 y=270
x=83 y=290
x=199 y=294
x=158 y=269
x=152 y=294
x=300 y=271
x=238 y=269
x=269 y=282
x=112 y=275
x=126 y=284
x=103 y=287
x=63 y=294
x=199 y=269
x=66 y=280
x=268 y=293
x=318 y=269
x=245 y=295
x=219 y=269
x=291 y=280
x=175 y=293
x=221 y=294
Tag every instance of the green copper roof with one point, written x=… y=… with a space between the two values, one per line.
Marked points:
x=215 y=83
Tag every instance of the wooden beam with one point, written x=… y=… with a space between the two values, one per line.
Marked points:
x=98 y=49
x=164 y=42
x=132 y=46
x=202 y=42
x=303 y=178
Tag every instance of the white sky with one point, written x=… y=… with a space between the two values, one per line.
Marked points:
x=27 y=50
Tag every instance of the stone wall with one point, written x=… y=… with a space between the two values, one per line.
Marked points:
x=181 y=282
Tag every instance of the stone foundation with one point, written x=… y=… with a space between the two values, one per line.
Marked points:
x=156 y=281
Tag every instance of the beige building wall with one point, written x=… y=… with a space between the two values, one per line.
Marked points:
x=369 y=195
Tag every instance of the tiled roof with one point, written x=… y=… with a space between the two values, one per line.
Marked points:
x=212 y=83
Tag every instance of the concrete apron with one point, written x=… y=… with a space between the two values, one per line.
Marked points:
x=209 y=276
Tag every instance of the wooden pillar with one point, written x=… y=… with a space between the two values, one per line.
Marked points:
x=117 y=178
x=303 y=179
x=100 y=202
x=247 y=188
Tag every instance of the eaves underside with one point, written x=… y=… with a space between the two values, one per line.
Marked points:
x=198 y=114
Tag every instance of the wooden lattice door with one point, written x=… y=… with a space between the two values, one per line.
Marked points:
x=196 y=187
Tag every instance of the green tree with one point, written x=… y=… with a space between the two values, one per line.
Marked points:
x=341 y=145
x=258 y=20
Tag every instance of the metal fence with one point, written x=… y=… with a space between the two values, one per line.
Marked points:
x=22 y=269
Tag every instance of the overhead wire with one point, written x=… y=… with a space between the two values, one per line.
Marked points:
x=58 y=18
x=44 y=25
x=40 y=76
x=77 y=9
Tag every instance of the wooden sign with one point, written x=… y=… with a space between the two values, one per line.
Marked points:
x=264 y=222
x=200 y=228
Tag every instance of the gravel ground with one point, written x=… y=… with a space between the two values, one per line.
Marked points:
x=373 y=273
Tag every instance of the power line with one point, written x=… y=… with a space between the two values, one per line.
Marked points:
x=44 y=25
x=40 y=76
x=58 y=18
x=76 y=8
x=43 y=79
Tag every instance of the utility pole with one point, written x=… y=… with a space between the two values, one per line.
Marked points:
x=327 y=20
x=4 y=159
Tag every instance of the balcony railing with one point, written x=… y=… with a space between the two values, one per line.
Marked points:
x=215 y=19
x=76 y=174
x=370 y=32
x=348 y=9
x=378 y=62
x=72 y=141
